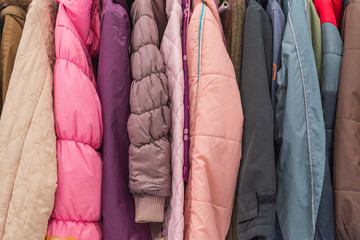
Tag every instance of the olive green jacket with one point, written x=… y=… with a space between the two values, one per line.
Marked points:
x=315 y=33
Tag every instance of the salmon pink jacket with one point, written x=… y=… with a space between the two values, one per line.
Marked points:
x=78 y=122
x=216 y=122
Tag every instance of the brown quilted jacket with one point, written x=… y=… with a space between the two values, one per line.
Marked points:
x=150 y=120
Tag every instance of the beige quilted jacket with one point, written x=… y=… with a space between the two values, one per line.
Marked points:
x=28 y=171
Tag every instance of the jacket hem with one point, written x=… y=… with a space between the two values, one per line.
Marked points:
x=258 y=232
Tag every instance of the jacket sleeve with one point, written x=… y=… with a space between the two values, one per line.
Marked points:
x=256 y=186
x=150 y=119
x=346 y=140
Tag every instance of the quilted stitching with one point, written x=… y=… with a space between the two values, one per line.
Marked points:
x=215 y=149
x=150 y=119
x=28 y=142
x=171 y=50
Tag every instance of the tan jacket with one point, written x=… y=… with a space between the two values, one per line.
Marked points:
x=27 y=137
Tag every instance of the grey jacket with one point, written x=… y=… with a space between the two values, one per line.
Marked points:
x=257 y=185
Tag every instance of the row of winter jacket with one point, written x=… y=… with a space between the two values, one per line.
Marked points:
x=179 y=119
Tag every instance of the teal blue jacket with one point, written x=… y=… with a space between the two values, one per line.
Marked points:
x=299 y=129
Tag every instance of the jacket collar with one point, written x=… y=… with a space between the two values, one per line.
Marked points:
x=213 y=6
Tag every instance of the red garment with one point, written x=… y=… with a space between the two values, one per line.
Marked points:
x=330 y=11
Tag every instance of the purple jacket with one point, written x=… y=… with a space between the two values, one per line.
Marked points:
x=114 y=80
x=186 y=19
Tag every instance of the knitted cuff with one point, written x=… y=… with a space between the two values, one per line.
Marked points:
x=149 y=208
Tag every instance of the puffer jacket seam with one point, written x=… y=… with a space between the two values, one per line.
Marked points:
x=84 y=42
x=209 y=74
x=147 y=143
x=348 y=119
x=331 y=53
x=148 y=75
x=352 y=49
x=76 y=141
x=150 y=110
x=344 y=190
x=306 y=117
x=145 y=15
x=76 y=221
x=217 y=137
x=72 y=62
x=144 y=45
x=192 y=199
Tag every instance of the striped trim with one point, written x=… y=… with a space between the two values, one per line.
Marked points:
x=199 y=57
x=307 y=119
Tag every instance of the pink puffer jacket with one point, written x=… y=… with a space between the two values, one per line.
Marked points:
x=78 y=123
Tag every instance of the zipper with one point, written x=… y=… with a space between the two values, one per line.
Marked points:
x=199 y=56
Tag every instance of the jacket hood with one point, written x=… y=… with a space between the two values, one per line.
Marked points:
x=212 y=4
x=20 y=3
